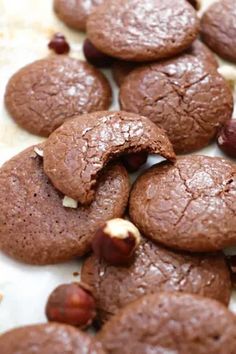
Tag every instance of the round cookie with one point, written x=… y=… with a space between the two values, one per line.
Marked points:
x=171 y=323
x=143 y=30
x=42 y=95
x=185 y=96
x=190 y=205
x=218 y=28
x=155 y=269
x=74 y=13
x=34 y=225
x=121 y=69
x=87 y=143
x=51 y=338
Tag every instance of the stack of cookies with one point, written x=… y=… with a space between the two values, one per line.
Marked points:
x=154 y=278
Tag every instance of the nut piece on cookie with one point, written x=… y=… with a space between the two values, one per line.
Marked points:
x=87 y=143
x=71 y=304
x=116 y=241
x=49 y=229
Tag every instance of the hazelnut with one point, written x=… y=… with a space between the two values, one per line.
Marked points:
x=231 y=260
x=227 y=138
x=72 y=304
x=59 y=44
x=38 y=151
x=116 y=241
x=195 y=4
x=133 y=162
x=95 y=57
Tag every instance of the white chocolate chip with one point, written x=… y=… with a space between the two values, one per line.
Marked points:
x=38 y=151
x=69 y=203
x=121 y=228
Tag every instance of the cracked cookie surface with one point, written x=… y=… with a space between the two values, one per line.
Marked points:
x=155 y=269
x=74 y=13
x=218 y=28
x=143 y=30
x=75 y=154
x=36 y=228
x=185 y=96
x=47 y=339
x=121 y=69
x=171 y=323
x=190 y=205
x=42 y=95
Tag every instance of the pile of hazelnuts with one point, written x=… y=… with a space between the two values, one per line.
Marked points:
x=115 y=242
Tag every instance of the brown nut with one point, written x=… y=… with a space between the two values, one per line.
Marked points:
x=133 y=162
x=72 y=304
x=227 y=138
x=59 y=44
x=195 y=4
x=76 y=153
x=116 y=241
x=95 y=56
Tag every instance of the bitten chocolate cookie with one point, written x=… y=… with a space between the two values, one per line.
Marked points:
x=75 y=153
x=171 y=323
x=185 y=96
x=218 y=28
x=190 y=205
x=143 y=30
x=50 y=338
x=74 y=13
x=155 y=269
x=34 y=225
x=121 y=69
x=42 y=95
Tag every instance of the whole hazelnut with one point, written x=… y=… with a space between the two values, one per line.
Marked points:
x=133 y=162
x=95 y=57
x=116 y=242
x=59 y=44
x=227 y=138
x=72 y=304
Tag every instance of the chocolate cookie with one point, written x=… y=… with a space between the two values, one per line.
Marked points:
x=185 y=96
x=74 y=13
x=171 y=323
x=218 y=28
x=143 y=30
x=50 y=338
x=190 y=205
x=155 y=269
x=42 y=95
x=34 y=225
x=75 y=153
x=121 y=69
